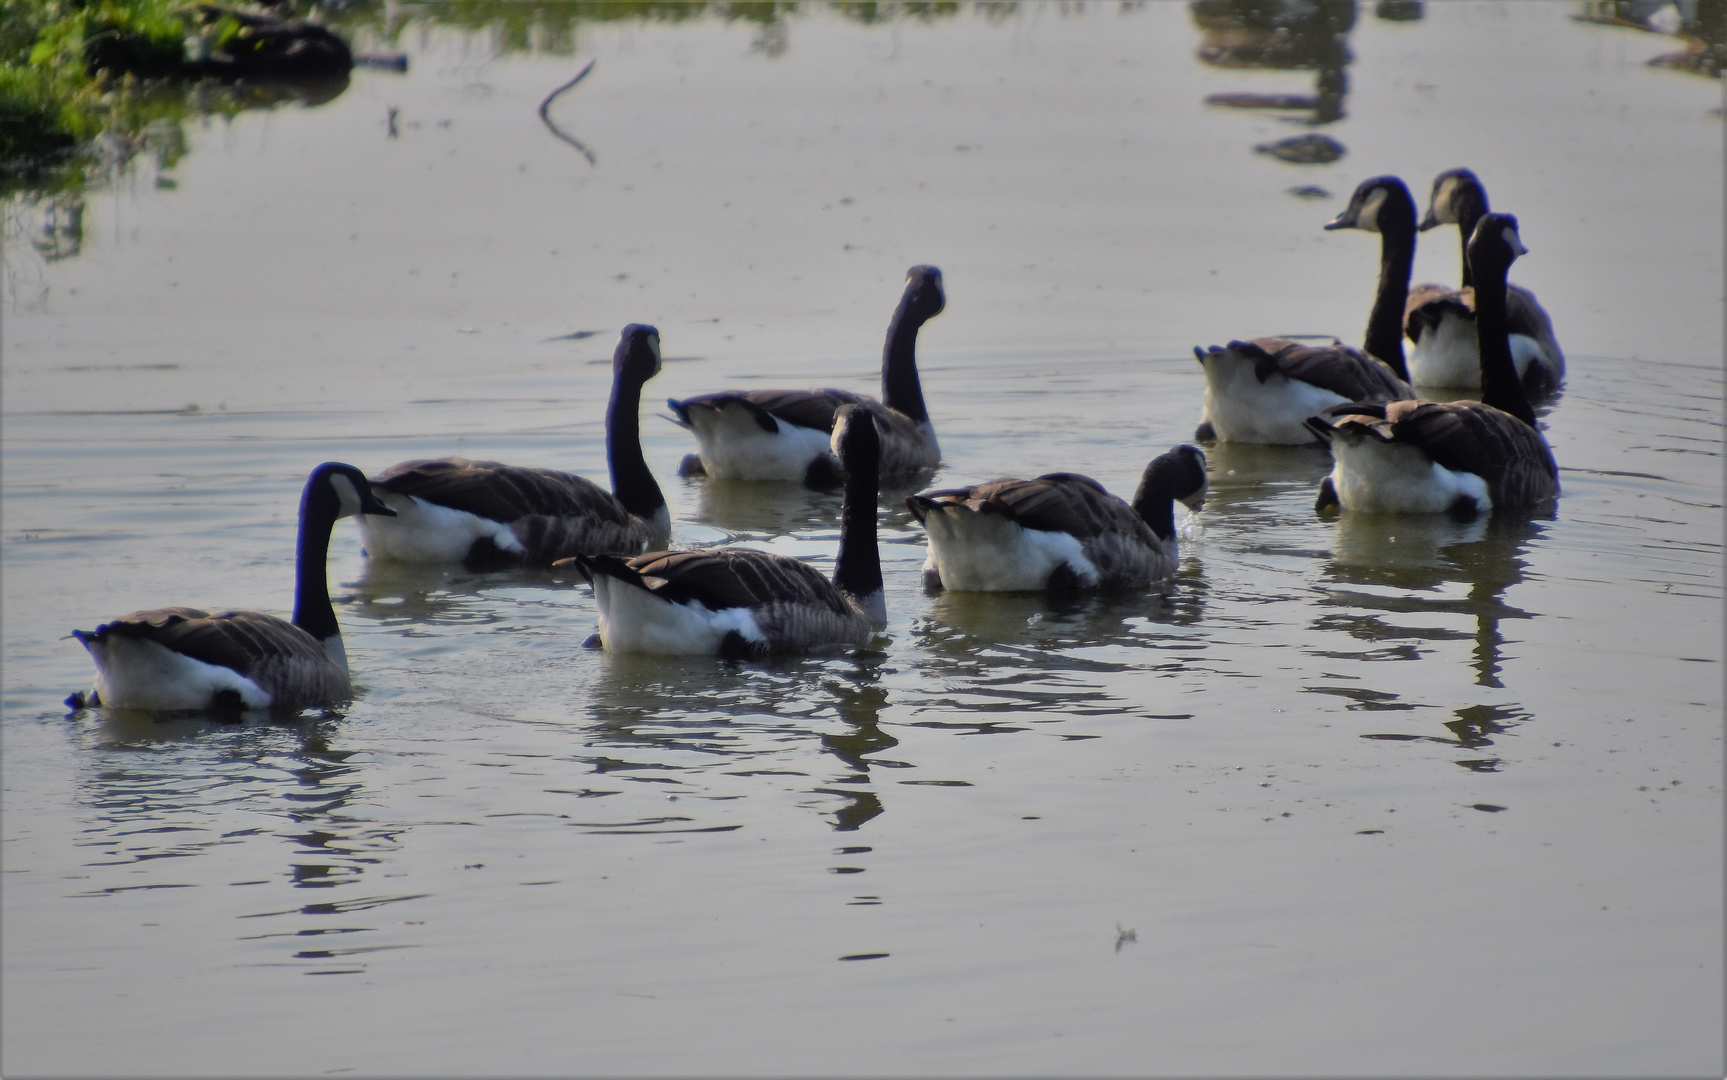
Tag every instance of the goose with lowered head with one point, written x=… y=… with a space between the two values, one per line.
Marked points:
x=739 y=602
x=1263 y=390
x=485 y=515
x=784 y=434
x=181 y=658
x=1459 y=457
x=1440 y=321
x=1061 y=532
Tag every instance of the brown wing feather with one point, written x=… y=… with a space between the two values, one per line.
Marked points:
x=1345 y=371
x=735 y=577
x=503 y=492
x=1467 y=436
x=1062 y=502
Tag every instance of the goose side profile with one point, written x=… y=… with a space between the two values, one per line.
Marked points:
x=785 y=434
x=1460 y=457
x=181 y=658
x=485 y=515
x=1263 y=391
x=1060 y=532
x=1440 y=321
x=738 y=602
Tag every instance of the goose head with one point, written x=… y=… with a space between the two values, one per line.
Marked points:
x=338 y=490
x=857 y=444
x=924 y=298
x=1457 y=196
x=637 y=357
x=1495 y=244
x=1180 y=472
x=1378 y=203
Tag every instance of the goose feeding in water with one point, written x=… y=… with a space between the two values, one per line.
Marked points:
x=485 y=515
x=181 y=658
x=784 y=434
x=737 y=602
x=1263 y=391
x=1060 y=532
x=1458 y=457
x=1440 y=321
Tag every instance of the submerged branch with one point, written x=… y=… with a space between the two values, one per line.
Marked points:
x=546 y=113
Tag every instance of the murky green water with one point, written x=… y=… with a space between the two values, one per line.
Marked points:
x=1360 y=797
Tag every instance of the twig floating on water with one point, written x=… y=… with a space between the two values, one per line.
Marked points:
x=546 y=113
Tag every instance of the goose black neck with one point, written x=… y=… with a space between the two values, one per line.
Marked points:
x=900 y=388
x=313 y=612
x=1155 y=504
x=1471 y=208
x=633 y=482
x=857 y=570
x=1396 y=260
x=1500 y=386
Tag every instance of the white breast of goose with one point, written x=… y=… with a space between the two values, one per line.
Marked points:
x=632 y=619
x=1449 y=354
x=734 y=445
x=1243 y=409
x=990 y=553
x=135 y=673
x=1393 y=478
x=424 y=531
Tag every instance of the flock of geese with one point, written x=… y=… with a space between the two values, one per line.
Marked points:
x=1392 y=452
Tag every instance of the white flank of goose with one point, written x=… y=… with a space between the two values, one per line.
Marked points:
x=1263 y=391
x=737 y=602
x=485 y=515
x=785 y=434
x=1460 y=457
x=1059 y=532
x=181 y=658
x=1440 y=321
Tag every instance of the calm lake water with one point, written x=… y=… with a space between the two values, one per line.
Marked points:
x=1360 y=797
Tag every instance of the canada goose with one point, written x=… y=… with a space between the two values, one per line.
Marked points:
x=182 y=658
x=485 y=515
x=1263 y=391
x=1459 y=457
x=1440 y=321
x=1060 y=532
x=784 y=434
x=736 y=602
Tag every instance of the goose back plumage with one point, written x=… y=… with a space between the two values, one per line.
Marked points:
x=184 y=658
x=1263 y=390
x=1059 y=531
x=1458 y=457
x=786 y=434
x=743 y=602
x=487 y=515
x=1440 y=320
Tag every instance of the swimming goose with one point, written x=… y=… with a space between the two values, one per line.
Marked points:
x=182 y=658
x=1440 y=321
x=484 y=515
x=784 y=434
x=1459 y=457
x=737 y=602
x=1263 y=391
x=1060 y=532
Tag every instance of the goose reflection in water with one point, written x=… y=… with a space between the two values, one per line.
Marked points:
x=752 y=511
x=161 y=789
x=1391 y=575
x=1280 y=35
x=711 y=731
x=1004 y=661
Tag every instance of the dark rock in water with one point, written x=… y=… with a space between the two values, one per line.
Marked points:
x=269 y=48
x=1303 y=149
x=1309 y=191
